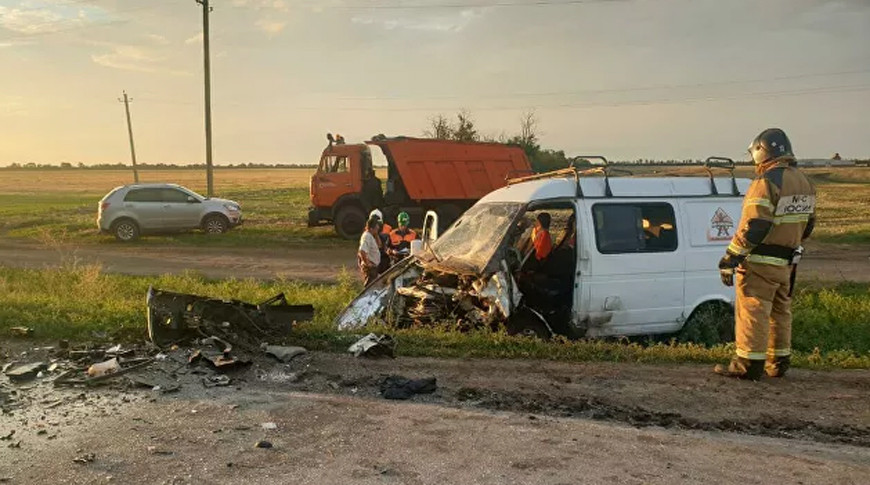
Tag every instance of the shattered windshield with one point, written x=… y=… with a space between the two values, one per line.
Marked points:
x=473 y=240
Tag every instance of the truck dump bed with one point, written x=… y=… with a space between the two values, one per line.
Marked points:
x=451 y=170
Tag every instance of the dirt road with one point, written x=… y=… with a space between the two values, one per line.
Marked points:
x=827 y=262
x=488 y=422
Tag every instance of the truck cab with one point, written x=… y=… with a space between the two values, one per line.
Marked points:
x=344 y=187
x=630 y=256
x=422 y=174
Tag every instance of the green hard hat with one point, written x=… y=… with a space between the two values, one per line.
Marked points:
x=404 y=219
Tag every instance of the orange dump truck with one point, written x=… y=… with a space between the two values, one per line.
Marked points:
x=422 y=174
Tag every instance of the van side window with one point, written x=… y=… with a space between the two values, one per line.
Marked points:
x=633 y=228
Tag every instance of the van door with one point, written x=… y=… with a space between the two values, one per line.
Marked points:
x=635 y=268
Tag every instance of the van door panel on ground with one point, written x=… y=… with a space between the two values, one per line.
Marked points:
x=635 y=246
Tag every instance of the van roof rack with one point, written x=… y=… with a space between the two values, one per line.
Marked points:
x=603 y=169
x=723 y=163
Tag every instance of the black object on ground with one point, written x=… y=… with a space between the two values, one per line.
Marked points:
x=398 y=387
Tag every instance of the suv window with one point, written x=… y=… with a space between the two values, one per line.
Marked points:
x=633 y=228
x=144 y=195
x=174 y=196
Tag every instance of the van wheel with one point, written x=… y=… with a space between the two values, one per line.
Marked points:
x=710 y=324
x=527 y=323
x=215 y=224
x=125 y=230
x=350 y=222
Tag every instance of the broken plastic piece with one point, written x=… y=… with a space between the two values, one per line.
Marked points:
x=374 y=346
x=284 y=354
x=108 y=367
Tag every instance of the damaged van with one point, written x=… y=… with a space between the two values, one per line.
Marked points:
x=628 y=256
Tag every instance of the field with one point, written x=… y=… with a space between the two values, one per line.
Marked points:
x=57 y=209
x=60 y=205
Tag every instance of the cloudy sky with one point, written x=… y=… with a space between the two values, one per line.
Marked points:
x=623 y=78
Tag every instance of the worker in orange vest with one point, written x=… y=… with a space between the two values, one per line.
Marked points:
x=401 y=237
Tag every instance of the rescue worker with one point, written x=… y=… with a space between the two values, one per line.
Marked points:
x=541 y=236
x=369 y=254
x=778 y=214
x=401 y=237
x=383 y=237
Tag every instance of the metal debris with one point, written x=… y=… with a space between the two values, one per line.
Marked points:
x=26 y=372
x=178 y=318
x=21 y=331
x=374 y=346
x=284 y=354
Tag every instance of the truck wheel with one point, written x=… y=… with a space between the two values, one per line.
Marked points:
x=350 y=222
x=447 y=215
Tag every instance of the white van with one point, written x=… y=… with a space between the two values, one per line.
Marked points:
x=630 y=256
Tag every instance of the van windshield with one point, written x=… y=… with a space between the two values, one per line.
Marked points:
x=472 y=241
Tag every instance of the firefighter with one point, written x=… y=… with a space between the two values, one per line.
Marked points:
x=401 y=237
x=778 y=214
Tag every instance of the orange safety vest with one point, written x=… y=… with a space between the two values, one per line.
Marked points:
x=397 y=238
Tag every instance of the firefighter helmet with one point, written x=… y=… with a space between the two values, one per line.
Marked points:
x=770 y=144
x=403 y=218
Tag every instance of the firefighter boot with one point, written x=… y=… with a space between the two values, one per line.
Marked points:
x=742 y=369
x=777 y=366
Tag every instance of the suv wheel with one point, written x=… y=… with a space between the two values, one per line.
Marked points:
x=125 y=230
x=215 y=224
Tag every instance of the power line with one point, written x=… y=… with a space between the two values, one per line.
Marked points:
x=592 y=104
x=533 y=3
x=608 y=90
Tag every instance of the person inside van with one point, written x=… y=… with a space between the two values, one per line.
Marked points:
x=541 y=236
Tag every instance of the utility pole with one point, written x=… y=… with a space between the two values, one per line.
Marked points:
x=209 y=174
x=126 y=102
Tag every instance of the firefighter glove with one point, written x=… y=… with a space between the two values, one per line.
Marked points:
x=726 y=268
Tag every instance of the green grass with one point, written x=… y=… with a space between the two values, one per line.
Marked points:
x=831 y=328
x=273 y=217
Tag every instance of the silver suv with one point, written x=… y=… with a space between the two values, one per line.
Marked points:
x=131 y=210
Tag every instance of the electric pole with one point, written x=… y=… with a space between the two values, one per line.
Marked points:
x=209 y=175
x=126 y=102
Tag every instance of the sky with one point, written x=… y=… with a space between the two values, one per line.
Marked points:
x=628 y=79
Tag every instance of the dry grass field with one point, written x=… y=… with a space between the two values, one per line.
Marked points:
x=61 y=204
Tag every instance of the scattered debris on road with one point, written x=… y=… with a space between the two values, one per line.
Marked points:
x=177 y=318
x=283 y=354
x=25 y=372
x=373 y=345
x=21 y=331
x=263 y=444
